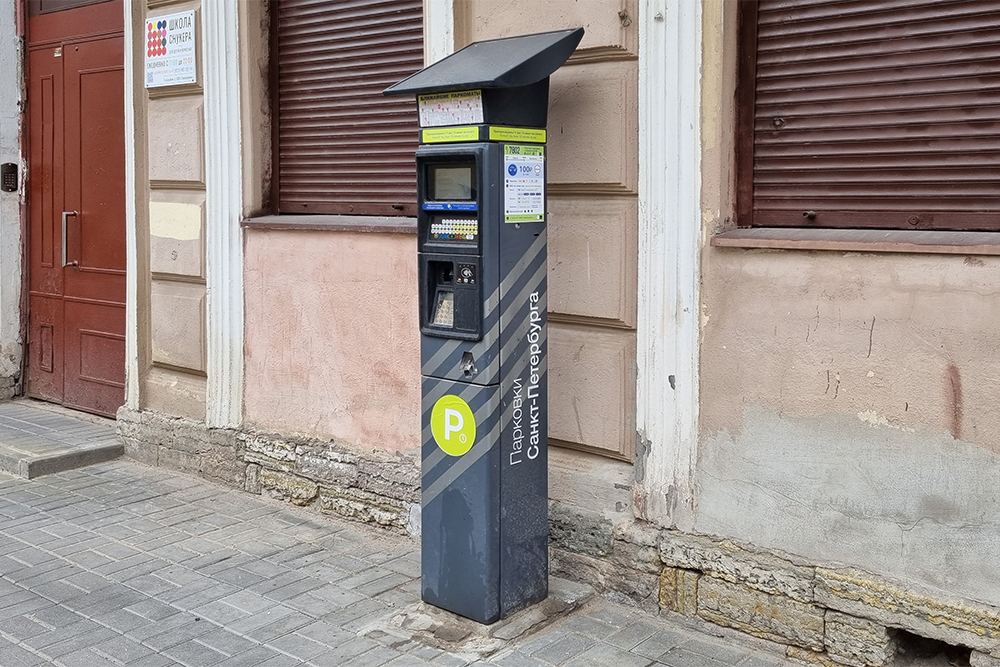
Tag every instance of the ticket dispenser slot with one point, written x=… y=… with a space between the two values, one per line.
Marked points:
x=451 y=303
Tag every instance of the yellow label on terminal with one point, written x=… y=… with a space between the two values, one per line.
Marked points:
x=453 y=425
x=517 y=134
x=441 y=135
x=524 y=217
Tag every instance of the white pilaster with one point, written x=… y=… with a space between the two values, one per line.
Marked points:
x=439 y=30
x=223 y=185
x=669 y=247
x=10 y=202
x=131 y=240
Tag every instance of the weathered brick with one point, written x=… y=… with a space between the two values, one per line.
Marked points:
x=261 y=445
x=364 y=506
x=176 y=459
x=251 y=482
x=141 y=451
x=267 y=462
x=775 y=617
x=857 y=641
x=295 y=489
x=726 y=560
x=327 y=465
x=589 y=534
x=641 y=588
x=635 y=546
x=220 y=437
x=978 y=659
x=8 y=386
x=394 y=478
x=189 y=440
x=126 y=418
x=797 y=654
x=925 y=614
x=219 y=463
x=679 y=590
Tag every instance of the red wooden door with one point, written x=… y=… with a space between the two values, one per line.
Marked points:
x=76 y=209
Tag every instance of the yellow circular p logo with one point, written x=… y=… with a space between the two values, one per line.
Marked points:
x=453 y=425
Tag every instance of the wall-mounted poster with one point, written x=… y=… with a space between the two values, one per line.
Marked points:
x=170 y=54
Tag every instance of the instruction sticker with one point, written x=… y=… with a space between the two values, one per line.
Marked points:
x=440 y=135
x=523 y=183
x=459 y=108
x=533 y=135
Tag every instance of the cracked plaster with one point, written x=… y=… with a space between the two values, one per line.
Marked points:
x=915 y=506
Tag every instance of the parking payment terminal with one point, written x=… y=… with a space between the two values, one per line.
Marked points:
x=481 y=202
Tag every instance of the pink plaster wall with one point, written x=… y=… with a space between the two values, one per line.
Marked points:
x=332 y=344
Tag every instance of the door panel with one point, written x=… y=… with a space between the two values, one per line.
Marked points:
x=95 y=178
x=76 y=149
x=45 y=202
x=45 y=177
x=45 y=352
x=94 y=356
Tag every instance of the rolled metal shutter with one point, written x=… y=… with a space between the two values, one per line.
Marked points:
x=341 y=146
x=870 y=113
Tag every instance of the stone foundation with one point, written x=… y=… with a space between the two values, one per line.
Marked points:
x=978 y=659
x=822 y=615
x=8 y=387
x=375 y=488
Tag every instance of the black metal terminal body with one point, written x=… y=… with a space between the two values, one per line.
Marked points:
x=481 y=245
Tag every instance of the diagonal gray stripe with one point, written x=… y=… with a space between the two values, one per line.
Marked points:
x=478 y=451
x=469 y=390
x=448 y=351
x=491 y=304
x=489 y=374
x=526 y=260
x=516 y=305
x=448 y=347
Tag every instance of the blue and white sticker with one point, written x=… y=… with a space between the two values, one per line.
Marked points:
x=524 y=183
x=450 y=206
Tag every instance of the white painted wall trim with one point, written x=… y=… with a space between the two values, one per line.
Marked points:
x=669 y=250
x=439 y=30
x=224 y=188
x=11 y=271
x=131 y=242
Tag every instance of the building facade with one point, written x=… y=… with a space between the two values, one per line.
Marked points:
x=771 y=305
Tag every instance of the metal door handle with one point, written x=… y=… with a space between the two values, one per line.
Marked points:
x=66 y=214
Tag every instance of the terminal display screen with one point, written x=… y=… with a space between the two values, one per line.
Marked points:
x=451 y=182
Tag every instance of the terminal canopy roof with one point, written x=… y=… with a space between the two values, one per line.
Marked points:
x=495 y=63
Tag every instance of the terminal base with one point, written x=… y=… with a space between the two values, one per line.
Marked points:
x=431 y=626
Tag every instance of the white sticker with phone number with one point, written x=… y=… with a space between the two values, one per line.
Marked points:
x=524 y=183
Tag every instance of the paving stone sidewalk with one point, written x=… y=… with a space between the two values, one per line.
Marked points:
x=121 y=564
x=38 y=439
